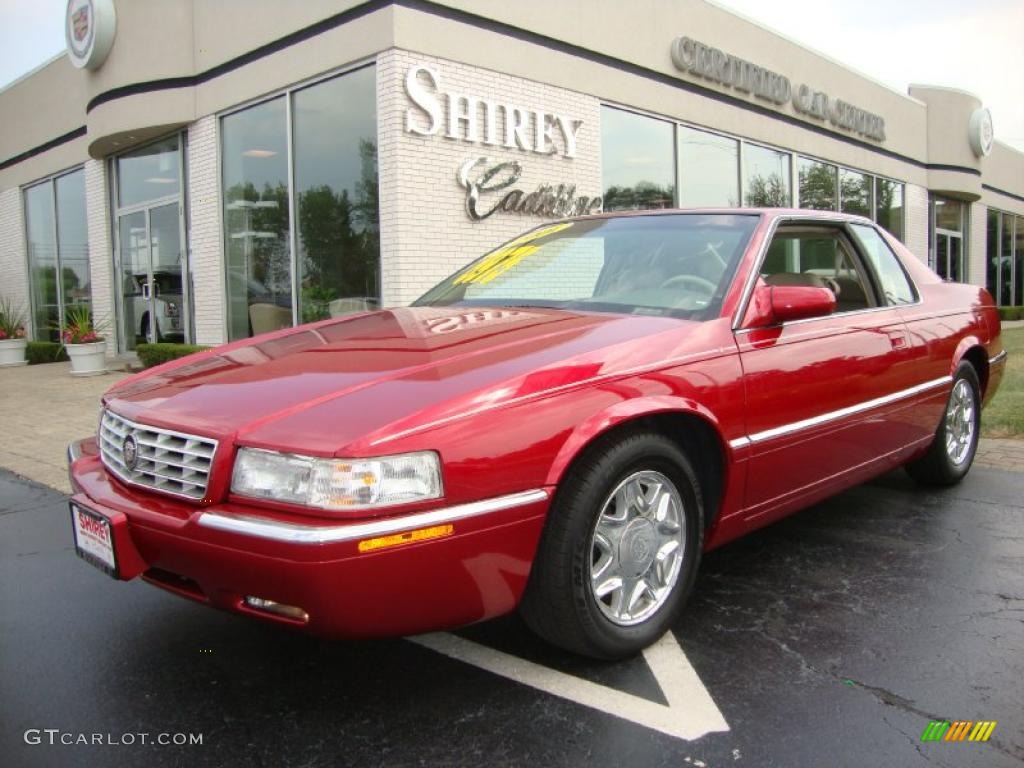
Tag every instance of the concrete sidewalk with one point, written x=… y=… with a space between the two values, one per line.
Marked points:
x=44 y=408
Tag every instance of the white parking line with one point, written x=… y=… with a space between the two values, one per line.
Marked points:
x=690 y=714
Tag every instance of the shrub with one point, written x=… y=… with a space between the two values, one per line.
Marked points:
x=12 y=320
x=1011 y=313
x=155 y=354
x=80 y=327
x=37 y=352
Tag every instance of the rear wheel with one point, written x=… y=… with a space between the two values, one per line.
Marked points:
x=620 y=550
x=956 y=440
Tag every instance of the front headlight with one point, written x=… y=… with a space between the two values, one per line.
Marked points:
x=337 y=484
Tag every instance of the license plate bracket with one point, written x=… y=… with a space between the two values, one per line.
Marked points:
x=94 y=539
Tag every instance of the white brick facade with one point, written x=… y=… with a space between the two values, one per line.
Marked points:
x=101 y=251
x=13 y=263
x=916 y=203
x=426 y=233
x=205 y=241
x=977 y=233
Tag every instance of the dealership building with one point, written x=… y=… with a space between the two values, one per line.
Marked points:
x=201 y=172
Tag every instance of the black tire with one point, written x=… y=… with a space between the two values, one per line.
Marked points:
x=943 y=465
x=559 y=603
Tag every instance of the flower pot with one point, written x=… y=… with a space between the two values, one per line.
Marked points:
x=88 y=359
x=12 y=352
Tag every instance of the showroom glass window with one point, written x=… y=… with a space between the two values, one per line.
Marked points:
x=855 y=192
x=992 y=254
x=312 y=251
x=889 y=206
x=335 y=137
x=766 y=178
x=1018 y=261
x=1006 y=255
x=708 y=169
x=58 y=251
x=818 y=183
x=1004 y=271
x=150 y=257
x=256 y=219
x=638 y=161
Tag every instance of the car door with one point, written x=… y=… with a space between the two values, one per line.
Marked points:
x=820 y=392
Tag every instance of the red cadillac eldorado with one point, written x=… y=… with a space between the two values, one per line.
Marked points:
x=562 y=427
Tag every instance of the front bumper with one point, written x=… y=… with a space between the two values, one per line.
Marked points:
x=221 y=554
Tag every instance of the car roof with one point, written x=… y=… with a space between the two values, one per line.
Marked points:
x=801 y=213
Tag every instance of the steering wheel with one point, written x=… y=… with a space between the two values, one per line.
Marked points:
x=698 y=283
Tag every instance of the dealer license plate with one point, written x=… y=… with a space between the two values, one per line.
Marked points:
x=94 y=539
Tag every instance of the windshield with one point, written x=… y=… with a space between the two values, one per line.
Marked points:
x=677 y=265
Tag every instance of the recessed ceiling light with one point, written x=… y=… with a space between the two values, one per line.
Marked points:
x=161 y=180
x=259 y=153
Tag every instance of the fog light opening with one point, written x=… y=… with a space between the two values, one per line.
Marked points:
x=263 y=605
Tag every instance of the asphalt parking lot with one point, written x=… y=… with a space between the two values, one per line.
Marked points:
x=832 y=638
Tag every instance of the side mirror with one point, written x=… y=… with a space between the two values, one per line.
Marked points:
x=773 y=304
x=798 y=302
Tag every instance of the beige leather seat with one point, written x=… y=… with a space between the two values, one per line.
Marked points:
x=796 y=278
x=342 y=307
x=851 y=294
x=268 y=317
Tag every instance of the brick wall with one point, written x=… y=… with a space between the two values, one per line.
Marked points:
x=917 y=221
x=13 y=265
x=206 y=244
x=426 y=233
x=101 y=250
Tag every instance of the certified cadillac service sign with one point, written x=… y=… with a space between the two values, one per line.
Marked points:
x=89 y=28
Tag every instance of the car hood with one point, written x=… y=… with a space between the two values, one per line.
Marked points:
x=346 y=383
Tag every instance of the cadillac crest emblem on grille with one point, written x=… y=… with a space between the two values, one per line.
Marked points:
x=130 y=452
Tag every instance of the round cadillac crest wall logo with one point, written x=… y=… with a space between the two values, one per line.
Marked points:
x=89 y=31
x=980 y=133
x=130 y=452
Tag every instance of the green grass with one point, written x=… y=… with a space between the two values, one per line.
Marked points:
x=1004 y=416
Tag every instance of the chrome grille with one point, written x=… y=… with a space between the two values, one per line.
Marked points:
x=166 y=461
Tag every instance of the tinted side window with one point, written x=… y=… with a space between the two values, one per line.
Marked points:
x=819 y=258
x=891 y=277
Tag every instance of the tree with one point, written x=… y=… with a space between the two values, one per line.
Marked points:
x=644 y=195
x=767 y=192
x=818 y=187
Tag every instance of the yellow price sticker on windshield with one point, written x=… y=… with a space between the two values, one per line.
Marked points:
x=508 y=256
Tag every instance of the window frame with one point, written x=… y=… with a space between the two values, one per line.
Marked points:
x=879 y=232
x=755 y=271
x=31 y=331
x=287 y=93
x=845 y=242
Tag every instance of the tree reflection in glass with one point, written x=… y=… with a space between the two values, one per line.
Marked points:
x=765 y=178
x=335 y=138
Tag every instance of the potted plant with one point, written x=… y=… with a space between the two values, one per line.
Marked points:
x=12 y=335
x=83 y=342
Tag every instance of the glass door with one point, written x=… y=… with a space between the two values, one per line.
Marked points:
x=949 y=261
x=168 y=275
x=151 y=259
x=136 y=278
x=947 y=228
x=152 y=276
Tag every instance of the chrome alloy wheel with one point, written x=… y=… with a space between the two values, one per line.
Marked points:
x=960 y=422
x=637 y=548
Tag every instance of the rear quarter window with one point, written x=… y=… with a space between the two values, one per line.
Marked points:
x=892 y=278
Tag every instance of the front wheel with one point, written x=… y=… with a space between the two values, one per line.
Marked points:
x=956 y=440
x=620 y=549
